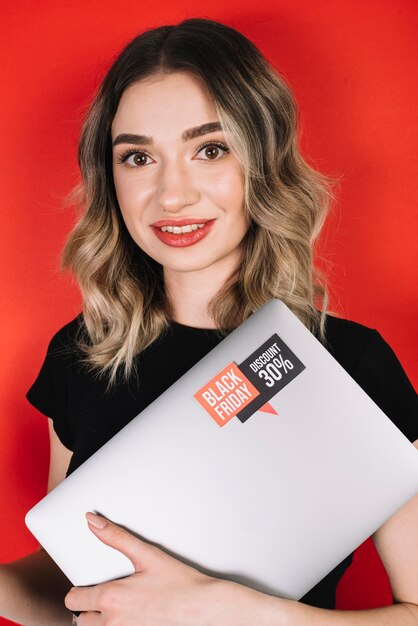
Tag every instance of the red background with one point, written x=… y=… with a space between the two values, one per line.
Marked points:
x=353 y=69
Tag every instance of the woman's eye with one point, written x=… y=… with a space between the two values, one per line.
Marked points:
x=207 y=152
x=213 y=151
x=134 y=159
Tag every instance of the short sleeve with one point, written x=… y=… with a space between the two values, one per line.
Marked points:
x=383 y=378
x=49 y=392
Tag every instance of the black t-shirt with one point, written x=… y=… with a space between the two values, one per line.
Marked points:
x=86 y=415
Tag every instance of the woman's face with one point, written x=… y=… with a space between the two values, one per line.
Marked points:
x=179 y=187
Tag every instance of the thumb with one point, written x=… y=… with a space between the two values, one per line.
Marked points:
x=141 y=554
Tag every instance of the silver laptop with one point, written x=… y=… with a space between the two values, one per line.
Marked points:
x=265 y=464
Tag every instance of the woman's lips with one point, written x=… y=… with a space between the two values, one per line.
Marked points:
x=185 y=221
x=181 y=240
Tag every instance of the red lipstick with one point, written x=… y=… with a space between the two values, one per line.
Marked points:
x=186 y=221
x=181 y=240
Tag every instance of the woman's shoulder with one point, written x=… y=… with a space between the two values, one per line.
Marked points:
x=64 y=342
x=373 y=364
x=362 y=351
x=347 y=340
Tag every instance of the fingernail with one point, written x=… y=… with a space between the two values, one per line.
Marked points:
x=96 y=520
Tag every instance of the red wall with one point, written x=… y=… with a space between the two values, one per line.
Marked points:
x=353 y=68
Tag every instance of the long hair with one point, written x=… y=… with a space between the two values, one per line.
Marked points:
x=125 y=307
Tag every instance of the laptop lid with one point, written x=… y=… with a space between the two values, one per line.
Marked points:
x=265 y=464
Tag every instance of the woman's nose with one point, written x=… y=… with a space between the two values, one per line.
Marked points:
x=176 y=189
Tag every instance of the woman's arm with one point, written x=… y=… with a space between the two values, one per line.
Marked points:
x=32 y=589
x=164 y=591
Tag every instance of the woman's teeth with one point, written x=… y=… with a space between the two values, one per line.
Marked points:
x=180 y=230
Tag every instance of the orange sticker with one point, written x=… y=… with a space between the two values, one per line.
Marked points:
x=226 y=394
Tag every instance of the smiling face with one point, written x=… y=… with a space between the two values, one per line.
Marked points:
x=179 y=187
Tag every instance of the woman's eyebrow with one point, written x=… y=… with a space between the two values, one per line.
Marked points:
x=190 y=133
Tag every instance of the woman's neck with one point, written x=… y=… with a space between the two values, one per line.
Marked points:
x=189 y=294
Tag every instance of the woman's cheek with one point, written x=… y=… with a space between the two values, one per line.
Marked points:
x=132 y=200
x=226 y=189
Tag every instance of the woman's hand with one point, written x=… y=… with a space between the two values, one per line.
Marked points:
x=162 y=591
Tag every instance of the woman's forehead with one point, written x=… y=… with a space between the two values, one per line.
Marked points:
x=164 y=103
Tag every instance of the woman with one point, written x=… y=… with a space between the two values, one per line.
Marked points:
x=198 y=209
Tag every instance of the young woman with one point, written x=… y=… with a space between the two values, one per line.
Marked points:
x=198 y=208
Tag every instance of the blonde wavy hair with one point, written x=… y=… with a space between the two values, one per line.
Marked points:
x=125 y=305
